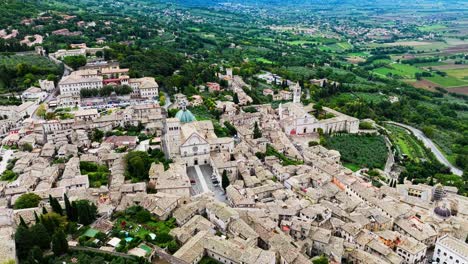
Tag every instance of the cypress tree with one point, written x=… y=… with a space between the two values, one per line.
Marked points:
x=23 y=241
x=44 y=210
x=235 y=98
x=36 y=218
x=40 y=236
x=59 y=243
x=68 y=208
x=74 y=209
x=22 y=222
x=56 y=207
x=256 y=132
x=35 y=255
x=225 y=180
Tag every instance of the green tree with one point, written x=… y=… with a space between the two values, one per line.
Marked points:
x=163 y=238
x=27 y=200
x=225 y=180
x=22 y=222
x=9 y=176
x=56 y=207
x=27 y=147
x=320 y=260
x=138 y=164
x=69 y=209
x=162 y=100
x=53 y=221
x=143 y=216
x=59 y=243
x=41 y=110
x=318 y=107
x=35 y=255
x=86 y=210
x=40 y=236
x=172 y=247
x=75 y=61
x=36 y=218
x=235 y=98
x=97 y=135
x=23 y=241
x=256 y=132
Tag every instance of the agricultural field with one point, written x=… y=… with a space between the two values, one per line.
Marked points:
x=364 y=151
x=429 y=28
x=336 y=47
x=403 y=70
x=301 y=42
x=461 y=74
x=447 y=81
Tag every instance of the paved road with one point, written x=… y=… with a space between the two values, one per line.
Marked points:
x=52 y=94
x=390 y=159
x=430 y=145
x=168 y=101
x=6 y=155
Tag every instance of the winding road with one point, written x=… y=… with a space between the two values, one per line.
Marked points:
x=430 y=145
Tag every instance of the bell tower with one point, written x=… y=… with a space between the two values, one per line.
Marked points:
x=297 y=93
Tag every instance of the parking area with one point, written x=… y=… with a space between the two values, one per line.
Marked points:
x=202 y=182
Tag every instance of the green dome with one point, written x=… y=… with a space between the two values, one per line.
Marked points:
x=185 y=116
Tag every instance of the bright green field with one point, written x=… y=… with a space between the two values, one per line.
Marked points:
x=337 y=47
x=263 y=60
x=300 y=42
x=435 y=27
x=403 y=70
x=344 y=45
x=447 y=81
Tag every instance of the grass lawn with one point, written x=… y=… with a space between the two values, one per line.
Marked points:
x=352 y=166
x=91 y=232
x=447 y=81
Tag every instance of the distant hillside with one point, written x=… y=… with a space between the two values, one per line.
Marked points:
x=320 y=4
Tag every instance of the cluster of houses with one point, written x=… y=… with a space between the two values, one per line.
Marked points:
x=270 y=212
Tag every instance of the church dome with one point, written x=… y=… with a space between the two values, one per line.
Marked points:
x=442 y=211
x=185 y=116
